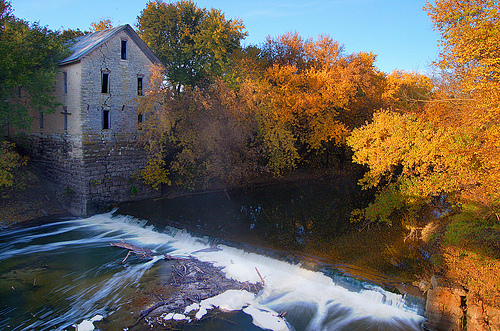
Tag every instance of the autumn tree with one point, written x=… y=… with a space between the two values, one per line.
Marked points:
x=194 y=43
x=29 y=55
x=441 y=140
x=202 y=135
x=306 y=89
x=103 y=24
x=68 y=34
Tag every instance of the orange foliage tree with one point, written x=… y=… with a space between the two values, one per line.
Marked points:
x=303 y=99
x=440 y=140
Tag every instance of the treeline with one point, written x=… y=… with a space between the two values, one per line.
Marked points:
x=221 y=113
x=217 y=112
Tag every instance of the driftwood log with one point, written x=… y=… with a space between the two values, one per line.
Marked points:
x=193 y=281
x=142 y=252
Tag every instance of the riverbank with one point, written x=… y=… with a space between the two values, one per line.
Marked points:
x=33 y=202
x=463 y=293
x=460 y=285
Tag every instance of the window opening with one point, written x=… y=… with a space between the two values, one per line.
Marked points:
x=139 y=118
x=105 y=82
x=139 y=85
x=105 y=119
x=124 y=50
x=65 y=82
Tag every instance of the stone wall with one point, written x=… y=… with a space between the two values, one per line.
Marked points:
x=110 y=161
x=89 y=173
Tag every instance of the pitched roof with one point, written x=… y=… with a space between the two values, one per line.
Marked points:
x=83 y=45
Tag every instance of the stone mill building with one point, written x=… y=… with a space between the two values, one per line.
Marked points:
x=87 y=148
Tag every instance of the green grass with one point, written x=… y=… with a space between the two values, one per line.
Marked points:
x=476 y=229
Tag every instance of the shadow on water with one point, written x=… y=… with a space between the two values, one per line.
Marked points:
x=284 y=217
x=307 y=222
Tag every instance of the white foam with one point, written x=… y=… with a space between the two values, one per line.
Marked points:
x=266 y=319
x=287 y=286
x=88 y=325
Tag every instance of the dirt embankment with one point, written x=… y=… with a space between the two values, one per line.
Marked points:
x=464 y=291
x=34 y=202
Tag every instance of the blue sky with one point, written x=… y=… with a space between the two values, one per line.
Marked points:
x=398 y=31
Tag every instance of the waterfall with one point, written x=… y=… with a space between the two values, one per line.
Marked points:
x=90 y=280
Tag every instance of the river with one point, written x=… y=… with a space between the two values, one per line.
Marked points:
x=63 y=272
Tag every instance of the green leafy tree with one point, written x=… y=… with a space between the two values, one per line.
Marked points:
x=193 y=43
x=29 y=55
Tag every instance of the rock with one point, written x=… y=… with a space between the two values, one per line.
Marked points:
x=493 y=317
x=445 y=306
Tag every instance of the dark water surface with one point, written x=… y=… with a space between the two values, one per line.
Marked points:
x=285 y=217
x=65 y=272
x=299 y=222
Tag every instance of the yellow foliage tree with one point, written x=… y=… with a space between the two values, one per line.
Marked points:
x=440 y=139
x=104 y=24
x=306 y=95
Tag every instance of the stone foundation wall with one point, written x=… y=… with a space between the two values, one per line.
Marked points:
x=110 y=161
x=89 y=173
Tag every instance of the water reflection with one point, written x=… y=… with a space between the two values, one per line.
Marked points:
x=307 y=222
x=285 y=217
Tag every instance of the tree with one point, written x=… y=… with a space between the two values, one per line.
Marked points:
x=440 y=140
x=304 y=96
x=470 y=35
x=104 y=24
x=29 y=55
x=202 y=135
x=68 y=34
x=194 y=43
x=10 y=161
x=5 y=13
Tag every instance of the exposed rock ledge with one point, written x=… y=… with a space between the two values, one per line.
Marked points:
x=453 y=308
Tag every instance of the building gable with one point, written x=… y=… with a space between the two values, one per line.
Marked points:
x=84 y=45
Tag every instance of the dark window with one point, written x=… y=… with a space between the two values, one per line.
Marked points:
x=65 y=113
x=41 y=120
x=139 y=118
x=65 y=82
x=124 y=50
x=105 y=119
x=139 y=85
x=105 y=82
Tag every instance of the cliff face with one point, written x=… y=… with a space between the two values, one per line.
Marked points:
x=453 y=308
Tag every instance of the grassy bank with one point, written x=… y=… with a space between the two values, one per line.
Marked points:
x=466 y=250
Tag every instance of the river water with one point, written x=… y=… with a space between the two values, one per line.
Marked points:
x=63 y=272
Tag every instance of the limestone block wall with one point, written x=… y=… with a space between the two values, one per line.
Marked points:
x=123 y=80
x=58 y=158
x=89 y=173
x=110 y=161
